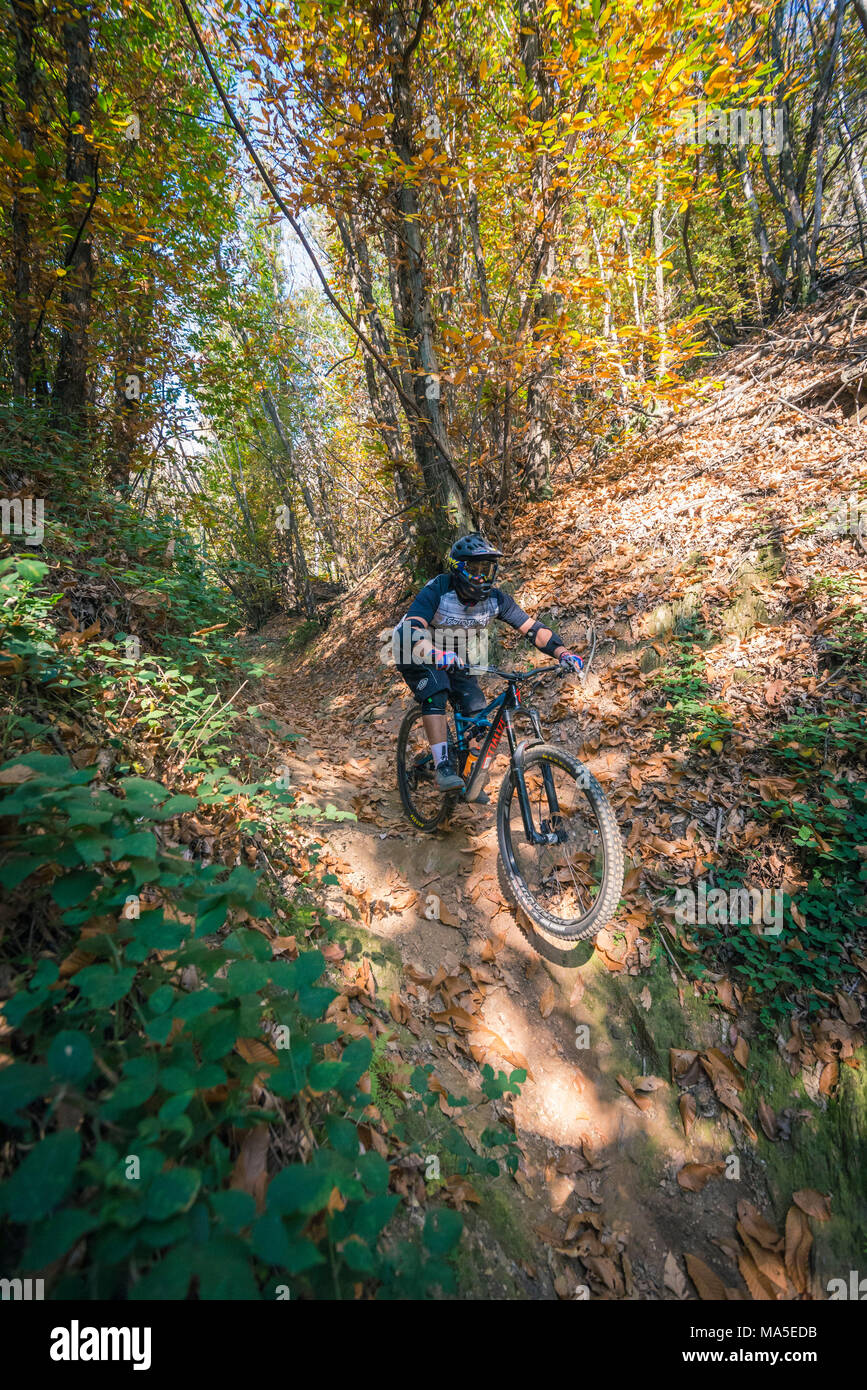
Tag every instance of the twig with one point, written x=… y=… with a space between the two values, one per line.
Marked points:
x=814 y=419
x=658 y=931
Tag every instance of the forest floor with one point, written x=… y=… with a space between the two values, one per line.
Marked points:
x=675 y=1144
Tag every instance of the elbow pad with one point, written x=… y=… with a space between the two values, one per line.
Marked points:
x=406 y=634
x=554 y=641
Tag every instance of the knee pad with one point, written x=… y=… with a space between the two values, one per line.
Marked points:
x=472 y=702
x=435 y=704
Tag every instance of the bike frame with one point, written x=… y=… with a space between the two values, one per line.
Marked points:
x=499 y=716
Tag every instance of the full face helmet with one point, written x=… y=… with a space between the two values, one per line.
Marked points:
x=473 y=563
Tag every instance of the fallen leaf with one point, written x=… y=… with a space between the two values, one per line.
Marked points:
x=250 y=1173
x=799 y=1239
x=258 y=1053
x=768 y=1120
x=397 y=1009
x=686 y=1105
x=710 y=1286
x=642 y=1102
x=813 y=1203
x=682 y=1064
x=648 y=1083
x=673 y=1277
x=546 y=1003
x=760 y=1288
x=846 y=1003
x=16 y=774
x=757 y=1227
x=829 y=1077
x=694 y=1176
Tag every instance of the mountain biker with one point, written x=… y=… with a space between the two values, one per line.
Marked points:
x=450 y=607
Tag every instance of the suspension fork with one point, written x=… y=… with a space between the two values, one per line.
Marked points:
x=534 y=836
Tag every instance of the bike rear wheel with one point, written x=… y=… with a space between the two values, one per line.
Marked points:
x=571 y=888
x=425 y=804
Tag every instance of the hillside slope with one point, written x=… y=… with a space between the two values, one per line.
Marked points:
x=722 y=562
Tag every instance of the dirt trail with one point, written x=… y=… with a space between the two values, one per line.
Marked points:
x=587 y=1146
x=715 y=523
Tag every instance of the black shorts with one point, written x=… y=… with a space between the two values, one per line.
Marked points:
x=429 y=684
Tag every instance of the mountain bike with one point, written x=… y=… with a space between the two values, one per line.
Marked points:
x=558 y=839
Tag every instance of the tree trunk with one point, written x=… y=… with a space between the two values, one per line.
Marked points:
x=383 y=400
x=25 y=83
x=536 y=465
x=851 y=155
x=70 y=385
x=449 y=506
x=766 y=255
x=658 y=271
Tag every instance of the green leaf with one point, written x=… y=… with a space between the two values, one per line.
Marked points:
x=42 y=1180
x=19 y=1086
x=16 y=1009
x=358 y=1256
x=103 y=985
x=52 y=1238
x=323 y=1075
x=225 y=1272
x=70 y=1056
x=161 y=999
x=373 y=1171
x=175 y=1106
x=176 y=806
x=299 y=1189
x=74 y=888
x=171 y=1192
x=137 y=1085
x=248 y=976
x=442 y=1230
x=169 y=1280
x=369 y=1219
x=343 y=1135
x=158 y=1029
x=270 y=1241
x=140 y=845
x=236 y=1209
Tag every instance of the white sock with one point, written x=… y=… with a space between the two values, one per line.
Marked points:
x=439 y=751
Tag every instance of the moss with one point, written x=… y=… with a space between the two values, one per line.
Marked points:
x=653 y=1032
x=667 y=615
x=482 y=1265
x=359 y=941
x=827 y=1151
x=302 y=635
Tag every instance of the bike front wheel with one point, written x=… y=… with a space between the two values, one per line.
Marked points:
x=569 y=885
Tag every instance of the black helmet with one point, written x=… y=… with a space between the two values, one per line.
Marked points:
x=472 y=588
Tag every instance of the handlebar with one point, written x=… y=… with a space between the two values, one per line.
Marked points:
x=514 y=675
x=535 y=671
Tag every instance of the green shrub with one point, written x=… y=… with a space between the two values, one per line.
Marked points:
x=126 y=1094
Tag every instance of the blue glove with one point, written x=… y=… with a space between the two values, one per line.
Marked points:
x=445 y=661
x=571 y=661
